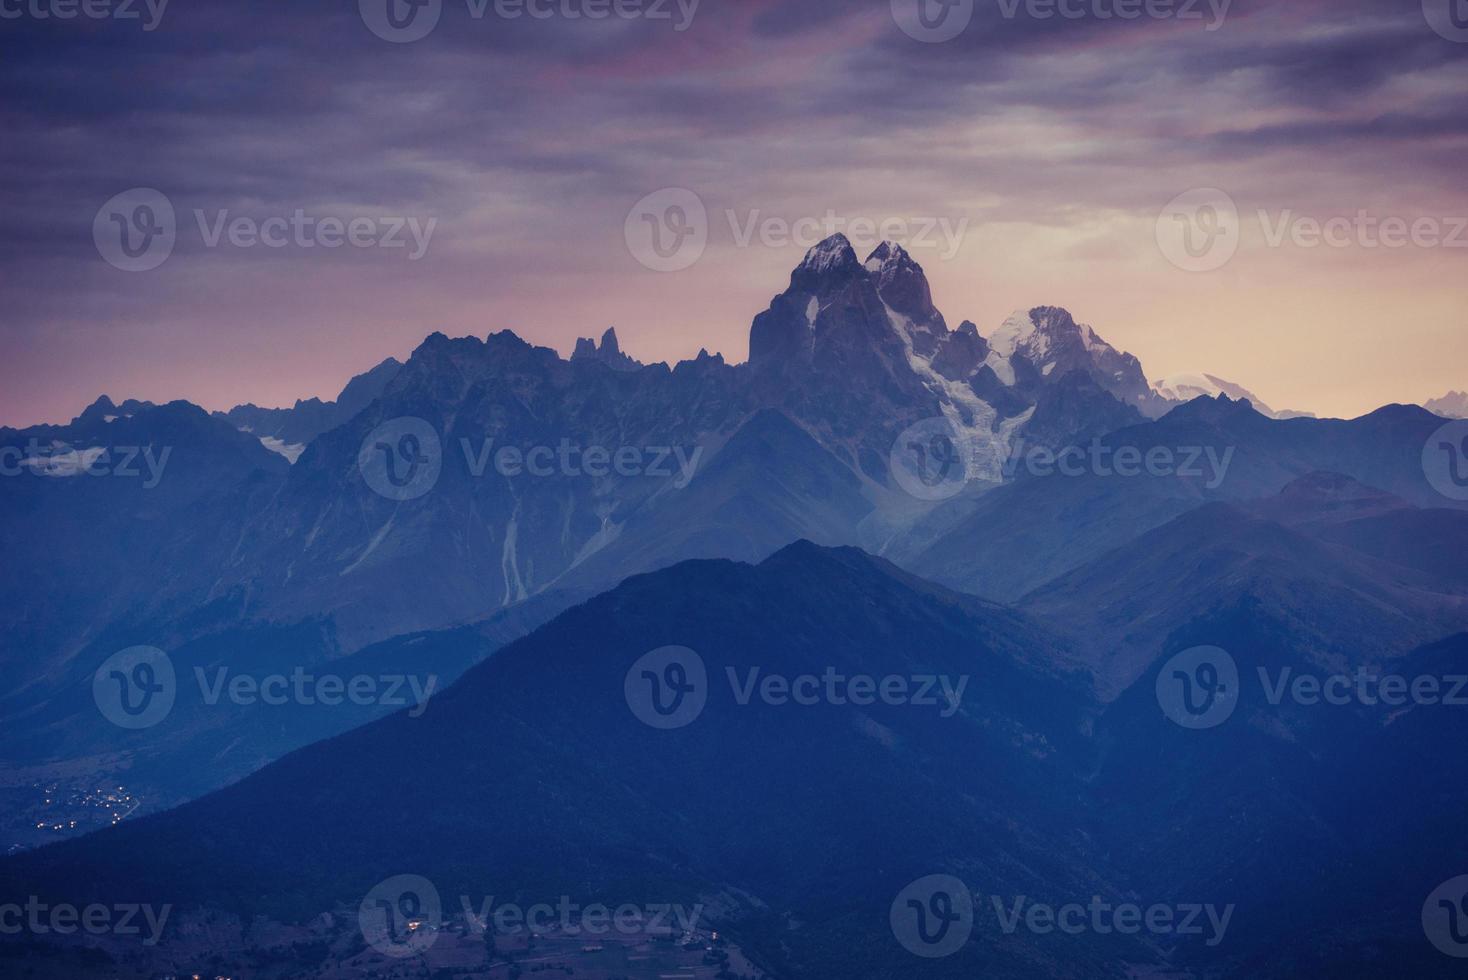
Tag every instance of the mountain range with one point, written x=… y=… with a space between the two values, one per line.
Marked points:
x=531 y=779
x=1185 y=387
x=873 y=493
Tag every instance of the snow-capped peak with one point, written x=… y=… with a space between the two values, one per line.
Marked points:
x=833 y=253
x=887 y=259
x=1014 y=333
x=1186 y=386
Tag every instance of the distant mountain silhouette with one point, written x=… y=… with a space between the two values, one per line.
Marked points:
x=292 y=428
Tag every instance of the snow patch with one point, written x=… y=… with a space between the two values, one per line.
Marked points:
x=66 y=462
x=290 y=450
x=605 y=535
x=377 y=539
x=1003 y=370
x=514 y=585
x=987 y=440
x=1012 y=334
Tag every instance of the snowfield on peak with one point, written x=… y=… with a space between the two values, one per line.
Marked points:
x=1184 y=387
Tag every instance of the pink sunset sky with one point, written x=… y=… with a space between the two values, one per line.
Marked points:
x=1048 y=148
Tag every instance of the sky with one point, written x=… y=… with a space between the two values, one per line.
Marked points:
x=229 y=202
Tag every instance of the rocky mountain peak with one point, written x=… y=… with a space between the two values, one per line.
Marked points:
x=1453 y=405
x=827 y=268
x=104 y=409
x=609 y=352
x=1047 y=340
x=103 y=406
x=834 y=254
x=903 y=286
